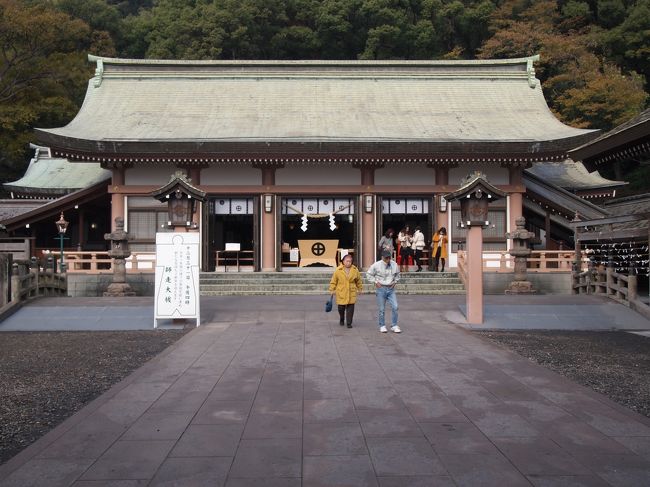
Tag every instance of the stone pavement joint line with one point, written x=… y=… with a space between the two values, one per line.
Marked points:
x=272 y=392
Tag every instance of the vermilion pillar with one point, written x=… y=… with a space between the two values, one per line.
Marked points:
x=474 y=296
x=117 y=199
x=194 y=173
x=442 y=178
x=368 y=231
x=515 y=199
x=368 y=219
x=270 y=240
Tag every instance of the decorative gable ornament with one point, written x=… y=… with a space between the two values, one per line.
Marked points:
x=475 y=194
x=181 y=197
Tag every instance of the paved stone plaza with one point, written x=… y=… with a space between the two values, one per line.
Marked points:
x=270 y=391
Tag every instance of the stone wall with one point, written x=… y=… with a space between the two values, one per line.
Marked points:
x=95 y=284
x=543 y=283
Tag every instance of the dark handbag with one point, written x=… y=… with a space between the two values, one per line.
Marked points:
x=328 y=304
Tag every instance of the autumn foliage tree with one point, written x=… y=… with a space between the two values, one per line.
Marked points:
x=583 y=87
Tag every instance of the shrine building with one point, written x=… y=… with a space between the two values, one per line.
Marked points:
x=300 y=151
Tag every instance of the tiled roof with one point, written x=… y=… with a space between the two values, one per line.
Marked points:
x=317 y=102
x=13 y=208
x=571 y=175
x=50 y=177
x=630 y=139
x=631 y=205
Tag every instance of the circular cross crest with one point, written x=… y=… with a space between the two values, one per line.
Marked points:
x=318 y=249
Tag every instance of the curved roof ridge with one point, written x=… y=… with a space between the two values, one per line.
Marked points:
x=311 y=62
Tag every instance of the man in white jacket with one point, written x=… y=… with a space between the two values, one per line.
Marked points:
x=418 y=246
x=385 y=275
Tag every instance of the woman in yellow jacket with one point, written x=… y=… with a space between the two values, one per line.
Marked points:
x=346 y=282
x=439 y=245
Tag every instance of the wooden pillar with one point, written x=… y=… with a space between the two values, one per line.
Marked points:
x=368 y=234
x=268 y=175
x=516 y=208
x=474 y=296
x=442 y=178
x=269 y=238
x=194 y=173
x=80 y=232
x=117 y=199
x=368 y=219
x=547 y=229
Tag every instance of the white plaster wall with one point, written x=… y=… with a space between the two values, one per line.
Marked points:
x=233 y=175
x=317 y=175
x=146 y=175
x=404 y=174
x=495 y=174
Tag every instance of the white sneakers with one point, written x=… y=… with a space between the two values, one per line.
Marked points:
x=394 y=329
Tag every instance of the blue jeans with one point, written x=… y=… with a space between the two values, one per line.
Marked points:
x=384 y=294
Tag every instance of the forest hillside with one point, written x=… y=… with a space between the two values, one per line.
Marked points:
x=594 y=67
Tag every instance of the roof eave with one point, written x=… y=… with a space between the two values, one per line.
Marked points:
x=83 y=149
x=609 y=142
x=55 y=206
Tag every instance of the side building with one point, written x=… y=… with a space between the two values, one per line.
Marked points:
x=371 y=145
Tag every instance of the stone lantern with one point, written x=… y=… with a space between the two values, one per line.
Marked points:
x=119 y=252
x=182 y=200
x=520 y=252
x=475 y=195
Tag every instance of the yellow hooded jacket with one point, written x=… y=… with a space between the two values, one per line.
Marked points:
x=346 y=286
x=442 y=241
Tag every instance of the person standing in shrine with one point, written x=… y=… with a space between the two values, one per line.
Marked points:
x=405 y=242
x=439 y=246
x=418 y=247
x=384 y=274
x=386 y=242
x=346 y=283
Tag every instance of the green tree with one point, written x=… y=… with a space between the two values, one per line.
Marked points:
x=338 y=27
x=42 y=75
x=629 y=43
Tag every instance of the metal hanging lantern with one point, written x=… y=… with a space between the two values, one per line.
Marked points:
x=475 y=196
x=182 y=198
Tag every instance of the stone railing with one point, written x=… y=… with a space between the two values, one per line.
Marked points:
x=28 y=281
x=96 y=262
x=605 y=282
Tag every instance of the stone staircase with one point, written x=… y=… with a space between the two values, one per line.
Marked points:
x=316 y=282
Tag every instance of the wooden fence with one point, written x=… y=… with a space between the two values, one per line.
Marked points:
x=18 y=247
x=605 y=281
x=539 y=261
x=98 y=262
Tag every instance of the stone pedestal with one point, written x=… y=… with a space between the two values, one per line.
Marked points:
x=119 y=289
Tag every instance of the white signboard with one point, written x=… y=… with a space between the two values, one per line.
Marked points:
x=294 y=255
x=177 y=277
